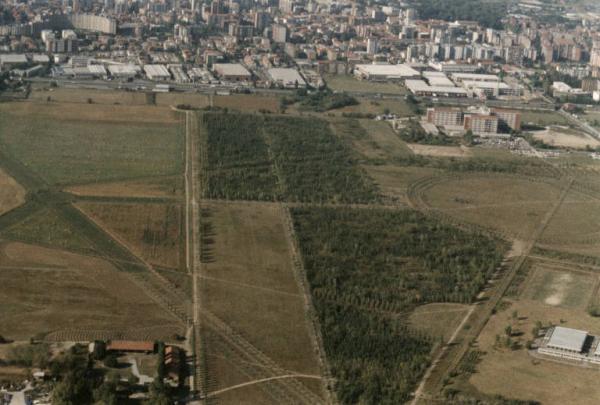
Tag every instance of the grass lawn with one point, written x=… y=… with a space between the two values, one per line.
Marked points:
x=543 y=118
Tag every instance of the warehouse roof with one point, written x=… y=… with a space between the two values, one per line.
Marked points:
x=475 y=77
x=286 y=76
x=421 y=86
x=567 y=339
x=156 y=71
x=13 y=58
x=388 y=70
x=231 y=69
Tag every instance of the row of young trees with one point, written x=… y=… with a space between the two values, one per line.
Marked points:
x=360 y=261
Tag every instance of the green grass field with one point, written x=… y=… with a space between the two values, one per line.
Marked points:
x=543 y=118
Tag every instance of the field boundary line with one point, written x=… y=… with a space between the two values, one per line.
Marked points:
x=277 y=377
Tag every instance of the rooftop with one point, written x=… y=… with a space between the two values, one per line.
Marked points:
x=388 y=70
x=567 y=339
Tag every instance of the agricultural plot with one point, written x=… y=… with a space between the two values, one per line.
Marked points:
x=366 y=267
x=12 y=194
x=88 y=96
x=91 y=144
x=508 y=204
x=155 y=187
x=47 y=227
x=151 y=231
x=66 y=296
x=248 y=283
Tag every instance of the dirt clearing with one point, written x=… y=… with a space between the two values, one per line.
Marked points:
x=11 y=193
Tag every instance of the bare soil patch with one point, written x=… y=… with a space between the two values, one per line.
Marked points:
x=439 y=151
x=12 y=194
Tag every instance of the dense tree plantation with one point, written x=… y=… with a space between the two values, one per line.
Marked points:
x=257 y=157
x=367 y=270
x=237 y=164
x=315 y=165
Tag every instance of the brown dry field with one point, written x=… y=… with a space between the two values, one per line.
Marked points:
x=139 y=188
x=94 y=112
x=515 y=374
x=384 y=136
x=64 y=95
x=439 y=319
x=48 y=290
x=151 y=231
x=193 y=99
x=575 y=227
x=566 y=137
x=439 y=151
x=370 y=139
x=248 y=282
x=368 y=106
x=248 y=102
x=393 y=181
x=12 y=194
x=512 y=205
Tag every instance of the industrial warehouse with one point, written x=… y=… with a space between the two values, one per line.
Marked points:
x=570 y=344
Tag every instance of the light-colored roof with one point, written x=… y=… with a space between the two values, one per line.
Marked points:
x=156 y=71
x=388 y=70
x=116 y=70
x=420 y=85
x=231 y=69
x=440 y=81
x=13 y=58
x=475 y=77
x=485 y=85
x=567 y=339
x=286 y=76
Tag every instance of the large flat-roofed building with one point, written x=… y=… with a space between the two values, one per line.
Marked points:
x=492 y=89
x=232 y=71
x=474 y=77
x=509 y=118
x=12 y=59
x=445 y=116
x=157 y=72
x=289 y=78
x=421 y=88
x=124 y=71
x=385 y=72
x=481 y=124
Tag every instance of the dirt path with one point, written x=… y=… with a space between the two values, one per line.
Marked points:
x=262 y=380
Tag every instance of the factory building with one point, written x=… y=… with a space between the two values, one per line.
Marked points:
x=385 y=72
x=232 y=72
